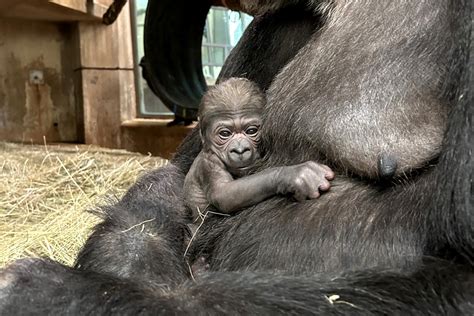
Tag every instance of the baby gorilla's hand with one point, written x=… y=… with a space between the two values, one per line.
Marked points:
x=304 y=181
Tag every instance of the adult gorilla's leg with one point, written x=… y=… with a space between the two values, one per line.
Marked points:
x=141 y=234
x=32 y=287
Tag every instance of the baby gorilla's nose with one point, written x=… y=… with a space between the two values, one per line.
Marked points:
x=240 y=150
x=240 y=155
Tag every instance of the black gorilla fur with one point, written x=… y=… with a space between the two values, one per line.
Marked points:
x=363 y=248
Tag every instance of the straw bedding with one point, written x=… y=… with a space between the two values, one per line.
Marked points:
x=46 y=192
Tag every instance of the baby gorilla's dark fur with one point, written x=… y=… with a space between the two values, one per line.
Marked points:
x=230 y=121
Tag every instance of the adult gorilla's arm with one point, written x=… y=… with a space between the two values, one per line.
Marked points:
x=269 y=43
x=452 y=208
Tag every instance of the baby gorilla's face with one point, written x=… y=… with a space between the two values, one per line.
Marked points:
x=234 y=138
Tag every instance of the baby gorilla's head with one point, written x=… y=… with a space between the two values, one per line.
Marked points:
x=230 y=121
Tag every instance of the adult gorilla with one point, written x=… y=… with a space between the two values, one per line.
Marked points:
x=356 y=86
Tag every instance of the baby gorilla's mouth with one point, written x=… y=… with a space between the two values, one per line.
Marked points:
x=241 y=162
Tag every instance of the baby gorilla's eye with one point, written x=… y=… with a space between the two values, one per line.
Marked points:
x=251 y=130
x=225 y=133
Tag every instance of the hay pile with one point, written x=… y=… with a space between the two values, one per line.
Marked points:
x=45 y=192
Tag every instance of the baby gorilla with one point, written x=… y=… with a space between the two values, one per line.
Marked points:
x=230 y=120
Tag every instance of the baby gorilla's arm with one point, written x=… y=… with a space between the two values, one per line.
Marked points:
x=304 y=181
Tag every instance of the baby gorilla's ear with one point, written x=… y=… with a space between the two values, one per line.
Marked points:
x=200 y=130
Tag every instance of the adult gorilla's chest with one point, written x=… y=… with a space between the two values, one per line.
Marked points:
x=367 y=83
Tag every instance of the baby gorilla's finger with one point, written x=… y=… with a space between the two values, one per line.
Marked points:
x=314 y=194
x=312 y=183
x=321 y=169
x=330 y=175
x=325 y=185
x=299 y=196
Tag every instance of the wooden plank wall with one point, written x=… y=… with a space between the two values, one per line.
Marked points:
x=88 y=93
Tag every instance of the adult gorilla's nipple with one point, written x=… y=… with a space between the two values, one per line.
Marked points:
x=387 y=165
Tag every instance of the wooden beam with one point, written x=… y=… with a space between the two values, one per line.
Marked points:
x=55 y=10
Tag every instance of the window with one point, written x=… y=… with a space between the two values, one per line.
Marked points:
x=222 y=32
